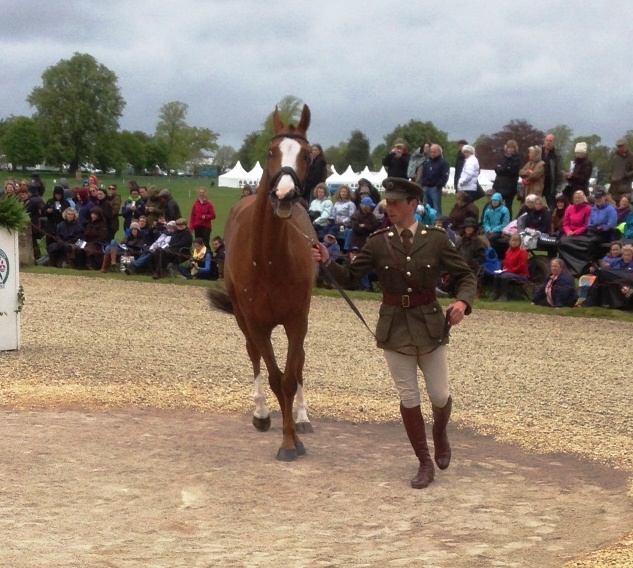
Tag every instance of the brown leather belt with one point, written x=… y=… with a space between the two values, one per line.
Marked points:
x=409 y=300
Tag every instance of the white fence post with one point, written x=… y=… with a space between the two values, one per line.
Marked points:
x=9 y=287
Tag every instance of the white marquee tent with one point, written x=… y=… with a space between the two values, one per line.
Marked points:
x=237 y=177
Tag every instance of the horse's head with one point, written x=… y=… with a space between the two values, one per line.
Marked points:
x=287 y=164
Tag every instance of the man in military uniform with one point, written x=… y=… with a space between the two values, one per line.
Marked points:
x=408 y=258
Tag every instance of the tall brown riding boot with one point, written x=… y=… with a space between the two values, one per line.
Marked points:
x=106 y=263
x=414 y=426
x=113 y=252
x=440 y=438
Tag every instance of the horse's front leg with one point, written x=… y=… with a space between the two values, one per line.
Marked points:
x=290 y=380
x=302 y=423
x=261 y=414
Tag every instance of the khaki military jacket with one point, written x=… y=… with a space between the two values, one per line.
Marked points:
x=414 y=330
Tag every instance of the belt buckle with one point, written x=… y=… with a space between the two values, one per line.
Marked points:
x=406 y=301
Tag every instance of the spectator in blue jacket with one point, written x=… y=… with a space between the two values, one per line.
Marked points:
x=496 y=217
x=559 y=290
x=425 y=214
x=603 y=217
x=200 y=266
x=435 y=173
x=332 y=246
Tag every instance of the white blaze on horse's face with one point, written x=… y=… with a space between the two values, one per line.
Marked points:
x=290 y=150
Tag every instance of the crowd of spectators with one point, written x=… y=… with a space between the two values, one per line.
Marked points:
x=78 y=228
x=558 y=214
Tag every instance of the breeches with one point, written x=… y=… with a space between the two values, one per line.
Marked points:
x=404 y=371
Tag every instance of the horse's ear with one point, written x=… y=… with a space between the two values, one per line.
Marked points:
x=304 y=123
x=277 y=124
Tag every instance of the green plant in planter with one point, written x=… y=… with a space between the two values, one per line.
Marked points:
x=12 y=214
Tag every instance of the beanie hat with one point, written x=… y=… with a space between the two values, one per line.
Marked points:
x=135 y=225
x=367 y=201
x=581 y=147
x=497 y=197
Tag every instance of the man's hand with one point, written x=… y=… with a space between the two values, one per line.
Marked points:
x=320 y=253
x=458 y=312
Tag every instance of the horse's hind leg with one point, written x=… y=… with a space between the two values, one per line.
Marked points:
x=302 y=423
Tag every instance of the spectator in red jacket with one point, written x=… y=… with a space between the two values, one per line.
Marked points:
x=515 y=270
x=202 y=213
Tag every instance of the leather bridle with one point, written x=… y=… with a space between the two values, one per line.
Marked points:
x=287 y=170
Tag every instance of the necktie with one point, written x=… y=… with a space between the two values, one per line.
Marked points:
x=407 y=241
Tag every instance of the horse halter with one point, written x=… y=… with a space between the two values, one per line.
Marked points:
x=287 y=170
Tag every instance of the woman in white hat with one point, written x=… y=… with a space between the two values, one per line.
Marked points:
x=578 y=178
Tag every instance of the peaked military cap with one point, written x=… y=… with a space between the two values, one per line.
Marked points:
x=400 y=188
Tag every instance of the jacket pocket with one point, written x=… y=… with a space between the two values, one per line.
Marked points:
x=434 y=320
x=385 y=320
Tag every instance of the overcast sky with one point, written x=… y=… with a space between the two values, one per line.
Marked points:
x=469 y=67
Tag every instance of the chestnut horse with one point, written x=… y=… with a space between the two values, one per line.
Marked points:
x=269 y=274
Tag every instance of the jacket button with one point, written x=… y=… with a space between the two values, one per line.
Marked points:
x=408 y=274
x=428 y=266
x=409 y=290
x=408 y=259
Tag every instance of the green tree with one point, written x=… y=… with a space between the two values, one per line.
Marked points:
x=290 y=112
x=172 y=131
x=182 y=142
x=133 y=146
x=79 y=100
x=108 y=153
x=337 y=156
x=201 y=144
x=246 y=153
x=225 y=157
x=22 y=143
x=377 y=155
x=156 y=155
x=415 y=134
x=357 y=151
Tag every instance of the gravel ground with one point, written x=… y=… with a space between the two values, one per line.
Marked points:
x=546 y=383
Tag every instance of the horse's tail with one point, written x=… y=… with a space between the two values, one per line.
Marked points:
x=220 y=300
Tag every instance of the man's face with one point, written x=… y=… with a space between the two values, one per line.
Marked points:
x=215 y=245
x=142 y=192
x=549 y=142
x=621 y=149
x=400 y=211
x=202 y=195
x=434 y=152
x=627 y=255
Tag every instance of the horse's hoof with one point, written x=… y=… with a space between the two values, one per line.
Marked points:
x=287 y=455
x=304 y=428
x=301 y=449
x=262 y=424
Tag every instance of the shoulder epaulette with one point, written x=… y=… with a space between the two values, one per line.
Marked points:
x=380 y=231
